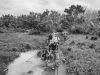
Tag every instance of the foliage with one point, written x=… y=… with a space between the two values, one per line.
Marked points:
x=75 y=16
x=79 y=29
x=82 y=61
x=32 y=31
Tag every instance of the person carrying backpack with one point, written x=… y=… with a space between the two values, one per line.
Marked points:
x=49 y=38
x=53 y=45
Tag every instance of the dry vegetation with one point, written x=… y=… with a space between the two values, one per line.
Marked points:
x=12 y=44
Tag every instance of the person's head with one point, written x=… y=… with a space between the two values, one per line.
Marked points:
x=53 y=34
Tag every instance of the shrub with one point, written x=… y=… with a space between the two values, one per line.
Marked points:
x=59 y=30
x=78 y=29
x=92 y=46
x=33 y=31
x=87 y=37
x=97 y=50
x=14 y=49
x=1 y=31
x=19 y=30
x=72 y=43
x=94 y=38
x=27 y=46
x=97 y=32
x=69 y=49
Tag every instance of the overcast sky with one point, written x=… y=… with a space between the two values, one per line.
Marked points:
x=17 y=7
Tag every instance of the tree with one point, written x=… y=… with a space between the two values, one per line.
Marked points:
x=55 y=17
x=8 y=21
x=74 y=11
x=44 y=14
x=98 y=13
x=46 y=26
x=74 y=15
x=28 y=21
x=98 y=16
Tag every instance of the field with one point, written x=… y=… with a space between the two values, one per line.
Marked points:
x=80 y=54
x=12 y=44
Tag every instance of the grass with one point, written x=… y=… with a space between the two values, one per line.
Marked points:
x=11 y=44
x=79 y=55
x=83 y=60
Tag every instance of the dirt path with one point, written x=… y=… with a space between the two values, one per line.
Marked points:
x=61 y=70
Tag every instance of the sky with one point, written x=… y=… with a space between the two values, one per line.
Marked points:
x=18 y=7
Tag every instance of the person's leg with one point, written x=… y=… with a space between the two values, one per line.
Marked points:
x=43 y=57
x=64 y=38
x=52 y=56
x=56 y=46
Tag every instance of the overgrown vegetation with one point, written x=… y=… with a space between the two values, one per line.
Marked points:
x=12 y=44
x=76 y=19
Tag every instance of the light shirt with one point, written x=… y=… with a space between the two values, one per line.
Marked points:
x=54 y=39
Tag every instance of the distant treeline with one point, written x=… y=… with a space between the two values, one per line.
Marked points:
x=75 y=20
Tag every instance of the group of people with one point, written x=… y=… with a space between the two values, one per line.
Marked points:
x=52 y=43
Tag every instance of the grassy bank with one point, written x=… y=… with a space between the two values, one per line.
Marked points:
x=12 y=44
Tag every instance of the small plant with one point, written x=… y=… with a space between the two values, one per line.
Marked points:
x=14 y=49
x=69 y=49
x=80 y=45
x=87 y=37
x=92 y=46
x=97 y=50
x=27 y=46
x=94 y=38
x=72 y=43
x=33 y=31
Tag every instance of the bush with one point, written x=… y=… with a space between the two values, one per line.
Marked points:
x=92 y=46
x=97 y=32
x=97 y=50
x=78 y=29
x=19 y=30
x=72 y=43
x=14 y=49
x=87 y=37
x=27 y=46
x=94 y=38
x=1 y=31
x=33 y=31
x=69 y=49
x=59 y=30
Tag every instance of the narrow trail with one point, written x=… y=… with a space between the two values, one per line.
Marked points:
x=27 y=64
x=61 y=70
x=12 y=68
